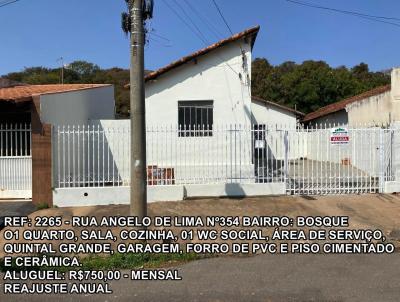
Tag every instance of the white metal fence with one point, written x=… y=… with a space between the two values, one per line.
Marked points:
x=15 y=160
x=303 y=158
x=360 y=165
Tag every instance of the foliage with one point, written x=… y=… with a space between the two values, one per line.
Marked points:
x=42 y=206
x=312 y=84
x=80 y=72
x=131 y=261
x=308 y=86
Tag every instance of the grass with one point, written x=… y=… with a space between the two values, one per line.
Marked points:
x=130 y=260
x=117 y=262
x=42 y=206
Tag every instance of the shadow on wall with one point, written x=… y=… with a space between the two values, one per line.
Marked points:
x=90 y=157
x=234 y=190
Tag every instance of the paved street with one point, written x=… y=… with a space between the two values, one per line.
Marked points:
x=15 y=208
x=264 y=278
x=297 y=278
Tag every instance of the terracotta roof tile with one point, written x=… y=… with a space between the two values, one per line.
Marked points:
x=25 y=93
x=335 y=107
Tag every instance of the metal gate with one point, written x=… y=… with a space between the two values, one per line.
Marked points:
x=15 y=161
x=337 y=160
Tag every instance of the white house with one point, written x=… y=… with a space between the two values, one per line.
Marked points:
x=205 y=134
x=205 y=99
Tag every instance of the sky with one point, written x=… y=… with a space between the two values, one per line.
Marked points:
x=38 y=32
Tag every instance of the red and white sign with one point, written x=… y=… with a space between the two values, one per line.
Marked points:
x=340 y=136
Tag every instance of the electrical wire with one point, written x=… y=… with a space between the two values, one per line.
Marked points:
x=4 y=3
x=200 y=36
x=222 y=16
x=217 y=34
x=152 y=32
x=191 y=21
x=351 y=13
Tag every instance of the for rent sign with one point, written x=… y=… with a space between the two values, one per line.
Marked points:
x=340 y=136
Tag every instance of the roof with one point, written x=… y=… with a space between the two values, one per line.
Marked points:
x=25 y=93
x=258 y=99
x=341 y=105
x=251 y=32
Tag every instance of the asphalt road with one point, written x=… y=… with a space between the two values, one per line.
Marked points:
x=15 y=208
x=265 y=278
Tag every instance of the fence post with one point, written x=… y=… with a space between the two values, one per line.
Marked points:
x=381 y=161
x=42 y=192
x=286 y=163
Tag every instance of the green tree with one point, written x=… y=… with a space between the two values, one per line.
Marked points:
x=85 y=70
x=312 y=84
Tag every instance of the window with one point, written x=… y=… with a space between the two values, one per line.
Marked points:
x=195 y=118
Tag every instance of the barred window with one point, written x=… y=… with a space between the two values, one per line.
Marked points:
x=195 y=118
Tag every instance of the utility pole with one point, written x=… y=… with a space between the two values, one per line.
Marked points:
x=62 y=69
x=138 y=193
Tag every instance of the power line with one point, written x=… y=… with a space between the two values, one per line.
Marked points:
x=8 y=3
x=191 y=21
x=222 y=16
x=184 y=21
x=374 y=18
x=200 y=36
x=209 y=24
x=340 y=10
x=152 y=32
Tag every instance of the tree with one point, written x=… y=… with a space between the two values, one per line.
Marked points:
x=312 y=84
x=84 y=69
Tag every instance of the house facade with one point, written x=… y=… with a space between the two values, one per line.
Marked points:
x=379 y=106
x=205 y=100
x=26 y=116
x=210 y=86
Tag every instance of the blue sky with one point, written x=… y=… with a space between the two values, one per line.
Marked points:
x=37 y=32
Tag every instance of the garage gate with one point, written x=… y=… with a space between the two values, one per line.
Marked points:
x=338 y=160
x=15 y=161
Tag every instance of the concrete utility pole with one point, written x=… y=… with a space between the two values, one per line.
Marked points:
x=62 y=69
x=138 y=194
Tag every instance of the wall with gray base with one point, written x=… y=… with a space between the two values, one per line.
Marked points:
x=83 y=197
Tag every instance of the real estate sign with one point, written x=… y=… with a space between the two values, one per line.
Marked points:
x=340 y=136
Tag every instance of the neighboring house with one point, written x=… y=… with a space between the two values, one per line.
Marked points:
x=379 y=106
x=25 y=136
x=57 y=104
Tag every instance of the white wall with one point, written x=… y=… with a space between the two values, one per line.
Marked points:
x=263 y=113
x=214 y=76
x=375 y=110
x=78 y=107
x=336 y=118
x=395 y=81
x=209 y=78
x=276 y=118
x=225 y=155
